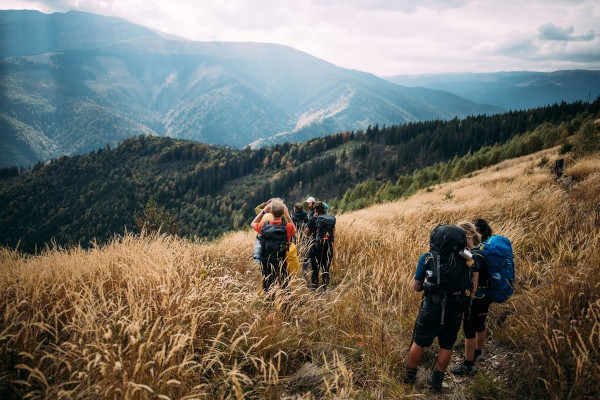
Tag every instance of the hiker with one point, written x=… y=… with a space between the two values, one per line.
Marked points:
x=310 y=203
x=275 y=236
x=491 y=249
x=266 y=217
x=446 y=277
x=322 y=228
x=475 y=315
x=300 y=217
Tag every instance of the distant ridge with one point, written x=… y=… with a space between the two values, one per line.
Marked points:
x=512 y=90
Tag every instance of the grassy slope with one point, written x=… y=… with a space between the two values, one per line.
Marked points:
x=158 y=316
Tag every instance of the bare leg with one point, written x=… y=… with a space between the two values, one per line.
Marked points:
x=470 y=349
x=480 y=337
x=443 y=360
x=415 y=354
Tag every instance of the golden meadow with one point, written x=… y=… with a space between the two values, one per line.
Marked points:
x=157 y=317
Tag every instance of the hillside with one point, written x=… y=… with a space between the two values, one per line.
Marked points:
x=519 y=90
x=71 y=83
x=157 y=316
x=209 y=190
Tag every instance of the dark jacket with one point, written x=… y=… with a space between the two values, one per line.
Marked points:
x=300 y=218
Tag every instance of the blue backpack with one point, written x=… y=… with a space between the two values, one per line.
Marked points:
x=498 y=254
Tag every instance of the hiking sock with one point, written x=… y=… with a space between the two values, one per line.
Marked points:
x=435 y=380
x=411 y=375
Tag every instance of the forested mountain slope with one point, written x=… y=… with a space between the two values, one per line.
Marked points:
x=209 y=190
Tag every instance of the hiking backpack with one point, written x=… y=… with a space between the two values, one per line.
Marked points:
x=325 y=227
x=499 y=259
x=273 y=241
x=447 y=271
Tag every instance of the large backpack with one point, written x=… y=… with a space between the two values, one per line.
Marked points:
x=273 y=241
x=448 y=276
x=499 y=259
x=325 y=227
x=447 y=271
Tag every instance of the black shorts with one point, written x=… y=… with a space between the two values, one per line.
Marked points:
x=429 y=324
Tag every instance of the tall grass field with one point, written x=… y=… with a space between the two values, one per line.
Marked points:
x=158 y=317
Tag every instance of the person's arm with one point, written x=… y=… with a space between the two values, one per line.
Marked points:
x=419 y=277
x=257 y=220
x=479 y=264
x=311 y=223
x=417 y=285
x=475 y=282
x=289 y=218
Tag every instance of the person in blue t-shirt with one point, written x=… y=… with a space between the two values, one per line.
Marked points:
x=439 y=317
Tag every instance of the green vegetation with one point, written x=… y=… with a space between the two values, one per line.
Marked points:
x=487 y=387
x=543 y=136
x=155 y=218
x=587 y=139
x=209 y=190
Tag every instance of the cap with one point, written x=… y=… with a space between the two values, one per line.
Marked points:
x=310 y=200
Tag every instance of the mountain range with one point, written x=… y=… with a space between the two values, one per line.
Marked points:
x=73 y=82
x=519 y=90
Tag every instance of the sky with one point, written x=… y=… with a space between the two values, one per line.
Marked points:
x=383 y=37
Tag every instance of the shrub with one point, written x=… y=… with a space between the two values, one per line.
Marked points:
x=543 y=162
x=565 y=148
x=587 y=138
x=486 y=387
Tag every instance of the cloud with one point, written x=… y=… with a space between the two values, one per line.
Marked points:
x=66 y=5
x=385 y=37
x=516 y=45
x=524 y=48
x=404 y=6
x=553 y=32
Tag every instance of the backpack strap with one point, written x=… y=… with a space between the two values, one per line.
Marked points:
x=284 y=224
x=443 y=307
x=434 y=258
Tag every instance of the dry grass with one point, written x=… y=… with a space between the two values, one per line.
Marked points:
x=158 y=317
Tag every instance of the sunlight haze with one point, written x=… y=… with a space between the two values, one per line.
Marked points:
x=381 y=37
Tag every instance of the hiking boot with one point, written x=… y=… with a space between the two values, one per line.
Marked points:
x=464 y=368
x=478 y=356
x=411 y=376
x=435 y=380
